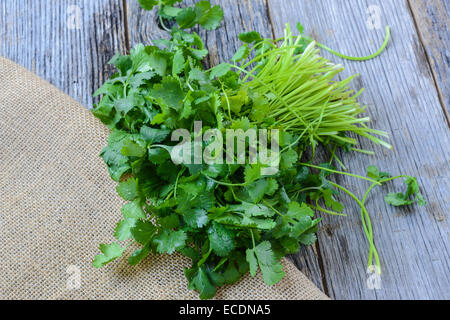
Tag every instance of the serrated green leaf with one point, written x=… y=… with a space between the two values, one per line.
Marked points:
x=123 y=229
x=271 y=267
x=132 y=149
x=110 y=252
x=152 y=135
x=252 y=173
x=128 y=189
x=199 y=281
x=168 y=241
x=220 y=239
x=208 y=17
x=148 y=4
x=252 y=261
x=196 y=218
x=257 y=190
x=169 y=92
x=143 y=232
x=186 y=18
x=250 y=37
x=178 y=62
x=138 y=255
x=397 y=199
x=219 y=71
x=133 y=210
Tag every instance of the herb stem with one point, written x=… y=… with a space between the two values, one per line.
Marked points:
x=374 y=55
x=341 y=172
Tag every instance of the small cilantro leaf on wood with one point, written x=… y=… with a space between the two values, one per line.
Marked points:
x=148 y=4
x=209 y=17
x=250 y=37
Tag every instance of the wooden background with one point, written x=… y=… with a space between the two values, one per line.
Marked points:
x=68 y=42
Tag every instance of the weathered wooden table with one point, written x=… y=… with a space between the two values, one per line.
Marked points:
x=68 y=42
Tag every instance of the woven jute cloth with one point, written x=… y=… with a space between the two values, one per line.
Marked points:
x=57 y=203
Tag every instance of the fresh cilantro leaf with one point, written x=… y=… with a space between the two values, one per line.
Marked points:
x=158 y=155
x=148 y=4
x=125 y=105
x=199 y=280
x=117 y=163
x=138 y=255
x=397 y=199
x=374 y=173
x=131 y=148
x=121 y=62
x=123 y=229
x=220 y=239
x=196 y=218
x=152 y=135
x=288 y=159
x=257 y=190
x=110 y=252
x=250 y=37
x=252 y=173
x=168 y=11
x=208 y=17
x=198 y=75
x=252 y=261
x=170 y=222
x=187 y=18
x=411 y=195
x=308 y=239
x=143 y=232
x=295 y=222
x=168 y=241
x=300 y=27
x=252 y=210
x=219 y=71
x=133 y=210
x=272 y=187
x=128 y=189
x=241 y=54
x=178 y=62
x=271 y=268
x=169 y=93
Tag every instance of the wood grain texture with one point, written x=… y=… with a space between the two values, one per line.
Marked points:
x=239 y=16
x=65 y=42
x=432 y=20
x=402 y=99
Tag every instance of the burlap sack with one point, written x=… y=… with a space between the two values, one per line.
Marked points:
x=57 y=203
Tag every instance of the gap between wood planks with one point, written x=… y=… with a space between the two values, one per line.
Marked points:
x=427 y=55
x=125 y=22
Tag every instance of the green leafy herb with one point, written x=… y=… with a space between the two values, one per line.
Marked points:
x=229 y=219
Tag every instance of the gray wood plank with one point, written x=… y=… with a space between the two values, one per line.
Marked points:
x=239 y=16
x=66 y=42
x=432 y=20
x=403 y=100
